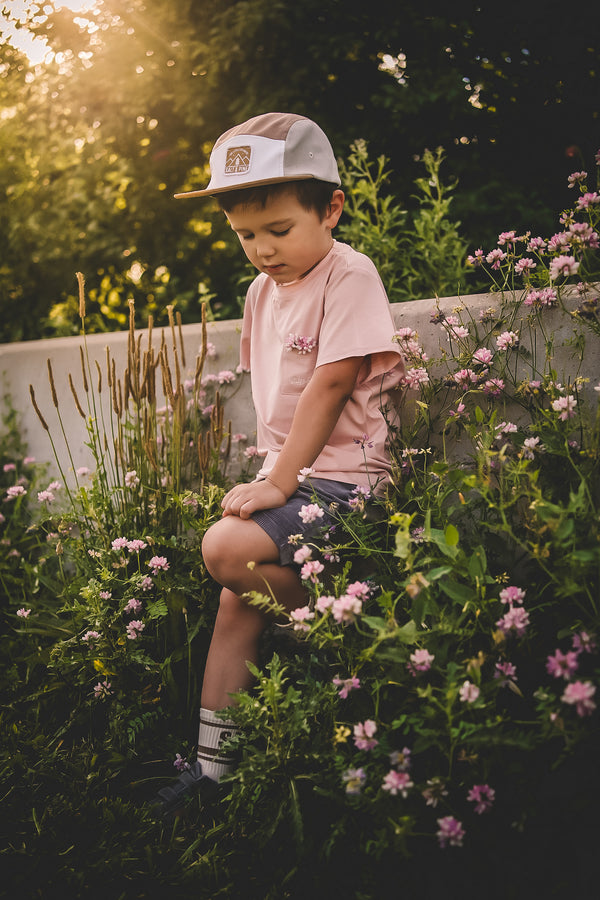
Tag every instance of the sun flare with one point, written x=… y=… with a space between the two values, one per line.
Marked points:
x=34 y=48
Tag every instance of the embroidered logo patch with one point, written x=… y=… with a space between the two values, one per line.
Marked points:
x=237 y=161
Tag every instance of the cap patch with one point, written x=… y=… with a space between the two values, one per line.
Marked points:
x=237 y=161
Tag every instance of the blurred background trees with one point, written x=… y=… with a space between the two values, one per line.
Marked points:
x=131 y=94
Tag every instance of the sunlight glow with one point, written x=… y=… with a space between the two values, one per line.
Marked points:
x=36 y=49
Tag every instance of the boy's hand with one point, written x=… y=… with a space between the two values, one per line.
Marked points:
x=244 y=499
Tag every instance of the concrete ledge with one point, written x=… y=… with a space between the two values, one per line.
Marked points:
x=24 y=364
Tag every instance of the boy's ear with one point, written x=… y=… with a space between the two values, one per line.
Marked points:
x=336 y=205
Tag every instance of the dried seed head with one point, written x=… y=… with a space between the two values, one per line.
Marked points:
x=36 y=407
x=81 y=283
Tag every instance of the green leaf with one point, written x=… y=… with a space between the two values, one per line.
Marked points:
x=452 y=536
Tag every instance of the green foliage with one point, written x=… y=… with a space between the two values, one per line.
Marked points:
x=441 y=684
x=419 y=254
x=121 y=115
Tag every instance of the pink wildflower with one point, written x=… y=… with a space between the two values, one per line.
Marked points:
x=483 y=355
x=346 y=685
x=536 y=243
x=397 y=782
x=563 y=265
x=562 y=665
x=458 y=412
x=414 y=377
x=180 y=763
x=23 y=613
x=483 y=796
x=133 y=606
x=131 y=479
x=465 y=377
x=506 y=428
x=251 y=452
x=136 y=545
x=530 y=445
x=102 y=690
x=105 y=595
x=495 y=258
x=225 y=376
x=310 y=570
x=45 y=496
x=91 y=636
x=119 y=543
x=524 y=265
x=434 y=792
x=506 y=237
x=300 y=617
x=506 y=340
x=584 y=642
x=304 y=473
x=302 y=554
x=322 y=604
x=420 y=661
x=516 y=620
x=505 y=671
x=300 y=343
x=17 y=490
x=345 y=609
x=477 y=258
x=158 y=563
x=359 y=589
x=576 y=178
x=589 y=199
x=310 y=513
x=469 y=692
x=545 y=297
x=363 y=735
x=401 y=759
x=146 y=583
x=451 y=832
x=134 y=629
x=579 y=694
x=354 y=780
x=512 y=594
x=493 y=387
x=566 y=407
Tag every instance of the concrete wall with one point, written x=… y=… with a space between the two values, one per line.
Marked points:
x=24 y=364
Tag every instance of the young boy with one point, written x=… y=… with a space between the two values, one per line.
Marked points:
x=317 y=338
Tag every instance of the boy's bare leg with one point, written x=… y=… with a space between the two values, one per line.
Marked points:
x=227 y=549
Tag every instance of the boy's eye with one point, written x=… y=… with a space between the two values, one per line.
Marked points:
x=281 y=233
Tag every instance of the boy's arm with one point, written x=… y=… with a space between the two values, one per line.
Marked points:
x=319 y=407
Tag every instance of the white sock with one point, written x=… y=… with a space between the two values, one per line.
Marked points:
x=213 y=731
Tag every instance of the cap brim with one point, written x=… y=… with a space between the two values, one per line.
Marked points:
x=208 y=192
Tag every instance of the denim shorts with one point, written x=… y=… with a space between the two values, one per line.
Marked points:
x=283 y=521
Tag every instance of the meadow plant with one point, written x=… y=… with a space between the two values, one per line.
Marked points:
x=132 y=598
x=446 y=668
x=432 y=709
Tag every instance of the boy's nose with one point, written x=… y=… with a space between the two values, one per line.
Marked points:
x=264 y=249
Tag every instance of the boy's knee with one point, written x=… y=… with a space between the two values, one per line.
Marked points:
x=214 y=549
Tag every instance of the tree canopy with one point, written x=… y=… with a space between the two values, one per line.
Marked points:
x=123 y=112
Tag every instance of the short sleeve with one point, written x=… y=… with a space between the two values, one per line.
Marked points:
x=357 y=321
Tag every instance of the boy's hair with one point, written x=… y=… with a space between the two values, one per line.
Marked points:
x=310 y=194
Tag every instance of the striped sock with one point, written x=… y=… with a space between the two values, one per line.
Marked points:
x=213 y=731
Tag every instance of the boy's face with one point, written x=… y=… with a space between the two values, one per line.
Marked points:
x=284 y=239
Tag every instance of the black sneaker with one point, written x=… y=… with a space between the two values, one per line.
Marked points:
x=170 y=801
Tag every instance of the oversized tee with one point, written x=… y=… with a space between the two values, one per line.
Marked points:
x=339 y=310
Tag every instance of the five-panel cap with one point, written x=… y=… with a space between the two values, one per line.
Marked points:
x=267 y=149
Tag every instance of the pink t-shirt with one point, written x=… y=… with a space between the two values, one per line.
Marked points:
x=340 y=309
